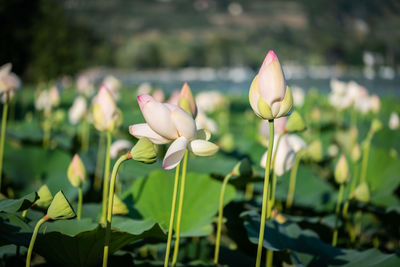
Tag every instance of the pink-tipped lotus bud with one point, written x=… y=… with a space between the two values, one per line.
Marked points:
x=186 y=100
x=76 y=172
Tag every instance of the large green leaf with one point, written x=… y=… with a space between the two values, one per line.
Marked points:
x=14 y=205
x=76 y=242
x=306 y=248
x=152 y=197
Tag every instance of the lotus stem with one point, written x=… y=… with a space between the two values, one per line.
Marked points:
x=270 y=258
x=364 y=163
x=32 y=243
x=248 y=194
x=171 y=219
x=292 y=183
x=265 y=193
x=351 y=191
x=99 y=163
x=3 y=133
x=271 y=199
x=85 y=135
x=110 y=205
x=337 y=210
x=106 y=179
x=80 y=200
x=220 y=216
x=180 y=205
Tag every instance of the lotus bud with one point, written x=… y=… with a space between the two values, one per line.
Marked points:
x=295 y=123
x=375 y=103
x=376 y=125
x=314 y=151
x=356 y=153
x=316 y=114
x=60 y=209
x=394 y=121
x=76 y=172
x=227 y=142
x=243 y=168
x=119 y=207
x=361 y=193
x=106 y=116
x=144 y=151
x=54 y=96
x=45 y=197
x=269 y=96
x=186 y=100
x=342 y=170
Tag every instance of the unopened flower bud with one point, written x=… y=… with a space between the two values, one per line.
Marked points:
x=144 y=151
x=362 y=192
x=186 y=100
x=76 y=172
x=60 y=209
x=45 y=197
x=314 y=151
x=342 y=170
x=376 y=125
x=295 y=123
x=356 y=153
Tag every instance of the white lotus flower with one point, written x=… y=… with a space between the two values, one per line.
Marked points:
x=106 y=116
x=113 y=85
x=85 y=85
x=119 y=146
x=289 y=145
x=9 y=82
x=206 y=123
x=209 y=101
x=169 y=123
x=174 y=98
x=279 y=127
x=394 y=121
x=77 y=110
x=158 y=95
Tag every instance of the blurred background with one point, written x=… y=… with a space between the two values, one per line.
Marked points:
x=212 y=44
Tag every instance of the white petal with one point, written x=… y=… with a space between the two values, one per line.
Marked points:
x=143 y=130
x=157 y=116
x=263 y=160
x=203 y=148
x=118 y=146
x=254 y=95
x=184 y=123
x=296 y=142
x=175 y=153
x=285 y=157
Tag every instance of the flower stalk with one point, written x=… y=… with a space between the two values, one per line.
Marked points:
x=106 y=178
x=265 y=193
x=180 y=206
x=292 y=183
x=99 y=163
x=337 y=210
x=3 y=133
x=220 y=216
x=33 y=239
x=80 y=200
x=110 y=205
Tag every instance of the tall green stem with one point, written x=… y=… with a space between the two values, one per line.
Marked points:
x=271 y=199
x=85 y=134
x=339 y=201
x=3 y=133
x=352 y=188
x=364 y=163
x=265 y=192
x=292 y=183
x=80 y=200
x=180 y=205
x=32 y=243
x=99 y=163
x=110 y=205
x=171 y=219
x=220 y=213
x=106 y=179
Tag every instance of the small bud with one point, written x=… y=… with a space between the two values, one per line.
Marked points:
x=316 y=114
x=76 y=172
x=60 y=209
x=45 y=197
x=376 y=125
x=144 y=151
x=314 y=151
x=186 y=100
x=362 y=192
x=342 y=170
x=119 y=207
x=295 y=123
x=243 y=168
x=356 y=153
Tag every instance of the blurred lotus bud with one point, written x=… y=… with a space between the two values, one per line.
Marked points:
x=106 y=116
x=314 y=151
x=158 y=95
x=85 y=85
x=361 y=193
x=119 y=206
x=174 y=98
x=227 y=142
x=45 y=197
x=144 y=88
x=204 y=122
x=60 y=209
x=78 y=110
x=279 y=127
x=375 y=103
x=333 y=150
x=76 y=172
x=356 y=153
x=298 y=96
x=210 y=101
x=376 y=125
x=113 y=85
x=119 y=147
x=316 y=114
x=342 y=170
x=269 y=96
x=54 y=96
x=394 y=121
x=144 y=151
x=243 y=168
x=9 y=82
x=295 y=123
x=186 y=100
